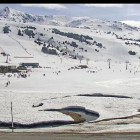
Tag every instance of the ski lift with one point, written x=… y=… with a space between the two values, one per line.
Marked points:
x=10 y=58
x=7 y=58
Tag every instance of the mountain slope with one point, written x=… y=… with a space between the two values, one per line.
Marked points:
x=108 y=39
x=62 y=20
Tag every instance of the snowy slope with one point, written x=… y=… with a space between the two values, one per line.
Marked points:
x=115 y=49
x=52 y=89
x=62 y=20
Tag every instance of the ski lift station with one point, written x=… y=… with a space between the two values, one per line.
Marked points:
x=6 y=67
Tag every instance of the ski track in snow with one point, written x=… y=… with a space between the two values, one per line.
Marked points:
x=19 y=44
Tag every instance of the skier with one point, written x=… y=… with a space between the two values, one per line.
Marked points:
x=6 y=84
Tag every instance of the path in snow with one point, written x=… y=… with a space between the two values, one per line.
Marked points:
x=20 y=45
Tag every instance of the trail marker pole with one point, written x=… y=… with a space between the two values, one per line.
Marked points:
x=12 y=118
x=126 y=64
x=109 y=62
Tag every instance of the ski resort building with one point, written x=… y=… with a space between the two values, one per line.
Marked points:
x=35 y=65
x=8 y=68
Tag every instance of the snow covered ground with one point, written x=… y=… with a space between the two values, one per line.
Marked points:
x=62 y=90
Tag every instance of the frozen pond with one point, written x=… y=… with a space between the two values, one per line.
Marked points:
x=85 y=114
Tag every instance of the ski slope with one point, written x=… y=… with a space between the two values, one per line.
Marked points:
x=52 y=89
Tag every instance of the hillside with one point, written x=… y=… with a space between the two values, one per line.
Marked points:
x=108 y=39
x=60 y=45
